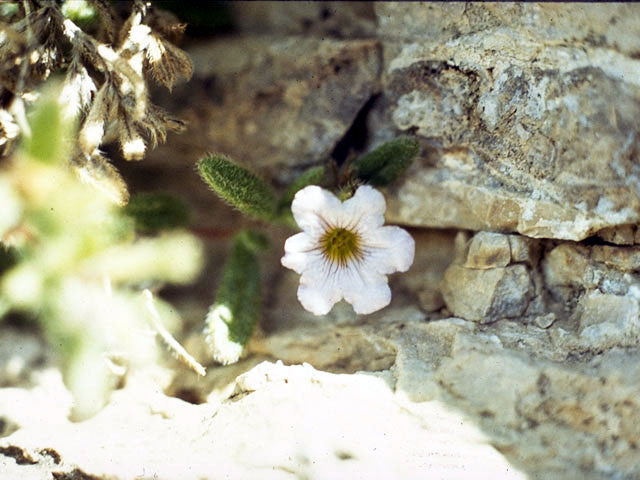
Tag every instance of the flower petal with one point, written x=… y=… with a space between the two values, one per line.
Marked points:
x=362 y=282
x=319 y=289
x=313 y=207
x=365 y=209
x=389 y=249
x=367 y=290
x=298 y=251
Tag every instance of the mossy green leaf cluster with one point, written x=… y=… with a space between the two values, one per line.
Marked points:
x=232 y=318
x=238 y=186
x=153 y=212
x=386 y=163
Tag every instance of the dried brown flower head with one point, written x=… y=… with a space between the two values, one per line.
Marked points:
x=105 y=89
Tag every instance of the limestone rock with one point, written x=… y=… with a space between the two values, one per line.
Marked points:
x=473 y=399
x=524 y=250
x=488 y=280
x=545 y=401
x=488 y=250
x=621 y=235
x=589 y=293
x=585 y=268
x=552 y=417
x=527 y=125
x=344 y=20
x=607 y=320
x=568 y=265
x=606 y=25
x=487 y=295
x=272 y=101
x=519 y=135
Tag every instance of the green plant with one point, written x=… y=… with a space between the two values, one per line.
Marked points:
x=236 y=308
x=71 y=259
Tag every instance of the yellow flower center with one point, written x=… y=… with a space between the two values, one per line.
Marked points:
x=340 y=245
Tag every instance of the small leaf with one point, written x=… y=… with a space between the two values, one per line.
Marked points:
x=386 y=163
x=50 y=136
x=93 y=128
x=95 y=170
x=232 y=318
x=238 y=186
x=156 y=123
x=172 y=344
x=131 y=143
x=152 y=212
x=168 y=64
x=77 y=90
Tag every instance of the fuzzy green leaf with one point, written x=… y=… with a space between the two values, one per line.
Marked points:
x=232 y=318
x=152 y=212
x=238 y=186
x=386 y=163
x=50 y=136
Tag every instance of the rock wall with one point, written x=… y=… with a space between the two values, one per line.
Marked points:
x=521 y=315
x=522 y=310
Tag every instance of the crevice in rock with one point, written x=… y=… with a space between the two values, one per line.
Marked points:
x=189 y=395
x=355 y=138
x=595 y=240
x=7 y=427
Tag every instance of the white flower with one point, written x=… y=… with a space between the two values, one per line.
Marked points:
x=344 y=251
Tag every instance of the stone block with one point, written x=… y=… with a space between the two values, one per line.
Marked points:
x=485 y=296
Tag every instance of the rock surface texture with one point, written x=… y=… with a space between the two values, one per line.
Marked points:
x=511 y=347
x=530 y=113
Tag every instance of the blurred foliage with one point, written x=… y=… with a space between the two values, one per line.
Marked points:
x=232 y=318
x=153 y=212
x=71 y=259
x=386 y=163
x=46 y=146
x=81 y=12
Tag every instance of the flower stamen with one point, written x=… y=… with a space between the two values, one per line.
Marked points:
x=340 y=245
